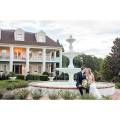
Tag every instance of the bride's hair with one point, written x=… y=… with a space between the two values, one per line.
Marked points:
x=90 y=72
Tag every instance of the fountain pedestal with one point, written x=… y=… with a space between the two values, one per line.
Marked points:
x=70 y=55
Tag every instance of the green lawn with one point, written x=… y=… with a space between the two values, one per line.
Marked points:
x=13 y=84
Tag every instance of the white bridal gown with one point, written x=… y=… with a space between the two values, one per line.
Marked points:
x=94 y=91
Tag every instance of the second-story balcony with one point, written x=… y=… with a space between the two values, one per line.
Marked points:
x=36 y=59
x=4 y=57
x=19 y=58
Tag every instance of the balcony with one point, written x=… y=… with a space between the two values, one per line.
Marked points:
x=19 y=58
x=52 y=59
x=36 y=59
x=4 y=57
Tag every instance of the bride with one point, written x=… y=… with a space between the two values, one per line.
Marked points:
x=91 y=81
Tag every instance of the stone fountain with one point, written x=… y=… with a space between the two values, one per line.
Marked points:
x=71 y=70
x=104 y=88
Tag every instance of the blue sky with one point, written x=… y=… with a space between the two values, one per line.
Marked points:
x=92 y=37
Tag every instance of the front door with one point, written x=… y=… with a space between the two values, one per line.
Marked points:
x=17 y=69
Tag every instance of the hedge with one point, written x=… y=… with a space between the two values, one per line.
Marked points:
x=37 y=77
x=21 y=77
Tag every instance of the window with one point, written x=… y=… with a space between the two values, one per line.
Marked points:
x=3 y=53
x=40 y=36
x=19 y=35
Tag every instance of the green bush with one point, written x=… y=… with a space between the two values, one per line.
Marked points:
x=37 y=77
x=53 y=96
x=37 y=94
x=88 y=97
x=10 y=86
x=67 y=95
x=21 y=77
x=2 y=91
x=117 y=85
x=116 y=79
x=45 y=73
x=12 y=74
x=8 y=96
x=44 y=78
x=16 y=84
x=21 y=94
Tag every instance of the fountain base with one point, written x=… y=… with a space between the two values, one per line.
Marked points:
x=104 y=88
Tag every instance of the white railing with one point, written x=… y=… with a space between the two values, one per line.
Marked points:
x=6 y=57
x=36 y=58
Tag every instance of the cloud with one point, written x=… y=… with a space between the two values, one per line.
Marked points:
x=92 y=37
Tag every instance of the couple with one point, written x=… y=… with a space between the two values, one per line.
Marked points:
x=91 y=89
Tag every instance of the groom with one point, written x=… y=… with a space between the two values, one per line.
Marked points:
x=79 y=79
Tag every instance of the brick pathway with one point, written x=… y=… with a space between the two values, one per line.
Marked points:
x=116 y=96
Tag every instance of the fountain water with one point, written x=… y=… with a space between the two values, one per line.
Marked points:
x=70 y=55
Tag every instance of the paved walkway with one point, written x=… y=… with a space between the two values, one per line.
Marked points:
x=116 y=96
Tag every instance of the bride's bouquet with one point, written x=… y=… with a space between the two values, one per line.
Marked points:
x=85 y=83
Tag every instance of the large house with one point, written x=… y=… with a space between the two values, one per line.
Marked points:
x=23 y=52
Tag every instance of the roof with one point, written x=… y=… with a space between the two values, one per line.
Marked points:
x=7 y=36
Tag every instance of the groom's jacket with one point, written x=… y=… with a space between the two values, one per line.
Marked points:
x=79 y=78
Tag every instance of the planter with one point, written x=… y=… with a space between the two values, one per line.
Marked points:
x=51 y=78
x=12 y=78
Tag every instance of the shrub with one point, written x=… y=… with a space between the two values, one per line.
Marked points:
x=8 y=96
x=88 y=97
x=37 y=94
x=117 y=85
x=16 y=84
x=2 y=91
x=12 y=74
x=67 y=95
x=44 y=78
x=53 y=96
x=116 y=79
x=21 y=77
x=21 y=94
x=107 y=97
x=4 y=76
x=46 y=73
x=10 y=87
x=37 y=77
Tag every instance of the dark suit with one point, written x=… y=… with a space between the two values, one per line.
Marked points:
x=80 y=77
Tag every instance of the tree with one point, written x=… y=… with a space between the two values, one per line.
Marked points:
x=89 y=61
x=65 y=61
x=111 y=65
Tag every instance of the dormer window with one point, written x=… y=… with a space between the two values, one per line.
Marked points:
x=19 y=35
x=40 y=36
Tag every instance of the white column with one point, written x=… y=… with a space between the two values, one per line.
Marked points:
x=27 y=60
x=60 y=63
x=11 y=58
x=54 y=60
x=44 y=60
x=54 y=54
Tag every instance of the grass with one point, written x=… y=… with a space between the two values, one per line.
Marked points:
x=13 y=84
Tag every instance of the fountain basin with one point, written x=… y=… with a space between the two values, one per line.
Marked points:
x=104 y=88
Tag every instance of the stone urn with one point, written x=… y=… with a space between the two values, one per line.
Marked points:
x=12 y=78
x=51 y=78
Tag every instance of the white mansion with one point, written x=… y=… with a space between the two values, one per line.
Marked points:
x=23 y=52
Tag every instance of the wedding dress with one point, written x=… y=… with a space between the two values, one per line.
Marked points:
x=93 y=89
